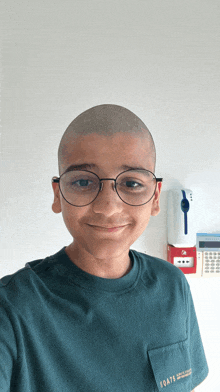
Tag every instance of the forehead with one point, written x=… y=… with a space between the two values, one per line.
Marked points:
x=116 y=151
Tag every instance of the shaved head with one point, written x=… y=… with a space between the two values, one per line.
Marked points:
x=105 y=120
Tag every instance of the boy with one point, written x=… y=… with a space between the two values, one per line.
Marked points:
x=98 y=316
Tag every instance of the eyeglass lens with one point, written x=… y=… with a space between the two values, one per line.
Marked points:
x=134 y=187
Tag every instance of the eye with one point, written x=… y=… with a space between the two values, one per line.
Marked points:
x=131 y=184
x=83 y=183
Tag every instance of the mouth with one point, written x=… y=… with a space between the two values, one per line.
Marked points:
x=107 y=229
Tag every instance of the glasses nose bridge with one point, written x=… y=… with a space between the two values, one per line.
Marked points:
x=107 y=179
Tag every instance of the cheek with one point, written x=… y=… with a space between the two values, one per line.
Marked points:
x=75 y=218
x=143 y=218
x=71 y=216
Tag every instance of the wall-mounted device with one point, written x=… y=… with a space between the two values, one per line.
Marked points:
x=197 y=254
x=200 y=261
x=183 y=258
x=181 y=249
x=181 y=218
x=208 y=251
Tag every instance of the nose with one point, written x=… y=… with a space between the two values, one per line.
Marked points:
x=107 y=202
x=107 y=179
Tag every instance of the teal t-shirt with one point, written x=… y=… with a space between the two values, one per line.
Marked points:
x=64 y=330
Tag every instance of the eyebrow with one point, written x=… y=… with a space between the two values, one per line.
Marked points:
x=92 y=166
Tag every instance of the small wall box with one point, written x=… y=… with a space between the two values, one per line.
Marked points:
x=183 y=258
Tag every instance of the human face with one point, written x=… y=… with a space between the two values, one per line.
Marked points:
x=107 y=210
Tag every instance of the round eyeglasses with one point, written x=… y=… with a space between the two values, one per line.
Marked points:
x=81 y=187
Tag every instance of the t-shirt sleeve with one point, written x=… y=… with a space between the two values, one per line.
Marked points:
x=7 y=349
x=199 y=364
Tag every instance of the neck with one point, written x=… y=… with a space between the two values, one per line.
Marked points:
x=110 y=268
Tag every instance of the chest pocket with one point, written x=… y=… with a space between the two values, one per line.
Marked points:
x=171 y=367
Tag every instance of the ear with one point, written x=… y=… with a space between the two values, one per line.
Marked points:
x=155 y=209
x=56 y=206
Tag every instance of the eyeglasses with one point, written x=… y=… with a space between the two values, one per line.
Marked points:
x=81 y=187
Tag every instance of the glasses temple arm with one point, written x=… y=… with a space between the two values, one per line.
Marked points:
x=56 y=179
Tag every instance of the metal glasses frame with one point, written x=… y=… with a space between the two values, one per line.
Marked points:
x=57 y=180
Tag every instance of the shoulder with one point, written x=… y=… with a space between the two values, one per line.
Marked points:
x=19 y=289
x=9 y=281
x=31 y=270
x=29 y=280
x=160 y=266
x=161 y=273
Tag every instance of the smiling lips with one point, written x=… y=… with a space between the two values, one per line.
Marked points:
x=108 y=229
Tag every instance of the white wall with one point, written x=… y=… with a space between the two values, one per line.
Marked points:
x=159 y=59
